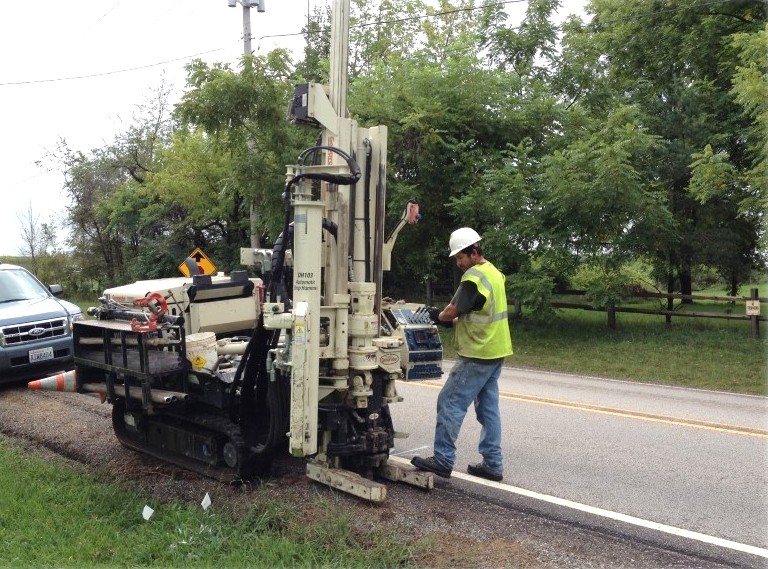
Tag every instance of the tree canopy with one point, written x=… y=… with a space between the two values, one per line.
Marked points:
x=637 y=134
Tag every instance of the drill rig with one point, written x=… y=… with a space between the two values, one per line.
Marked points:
x=317 y=371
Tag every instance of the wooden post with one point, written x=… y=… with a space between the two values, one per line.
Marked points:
x=670 y=308
x=755 y=318
x=670 y=300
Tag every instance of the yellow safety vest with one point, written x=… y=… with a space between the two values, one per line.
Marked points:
x=484 y=334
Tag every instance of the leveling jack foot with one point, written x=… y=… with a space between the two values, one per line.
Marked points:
x=353 y=483
x=407 y=474
x=347 y=481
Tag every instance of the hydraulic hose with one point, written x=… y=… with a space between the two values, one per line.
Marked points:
x=340 y=179
x=260 y=413
x=278 y=254
x=281 y=245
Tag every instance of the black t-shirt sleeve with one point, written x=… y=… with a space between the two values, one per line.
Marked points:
x=467 y=298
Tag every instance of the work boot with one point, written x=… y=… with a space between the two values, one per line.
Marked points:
x=481 y=470
x=432 y=465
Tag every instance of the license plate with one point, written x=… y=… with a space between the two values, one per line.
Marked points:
x=40 y=355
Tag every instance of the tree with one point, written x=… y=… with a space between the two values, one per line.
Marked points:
x=677 y=65
x=727 y=232
x=450 y=114
x=38 y=238
x=101 y=239
x=193 y=200
x=42 y=253
x=750 y=90
x=242 y=116
x=314 y=67
x=89 y=180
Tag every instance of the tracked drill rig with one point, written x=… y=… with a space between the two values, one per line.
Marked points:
x=309 y=360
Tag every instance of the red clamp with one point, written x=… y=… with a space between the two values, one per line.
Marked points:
x=157 y=306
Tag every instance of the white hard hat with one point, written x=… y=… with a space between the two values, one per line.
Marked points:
x=462 y=238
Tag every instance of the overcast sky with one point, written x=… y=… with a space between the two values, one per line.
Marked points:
x=77 y=69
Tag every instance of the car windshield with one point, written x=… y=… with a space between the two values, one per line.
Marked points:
x=18 y=284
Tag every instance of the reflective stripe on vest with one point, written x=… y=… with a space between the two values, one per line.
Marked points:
x=484 y=333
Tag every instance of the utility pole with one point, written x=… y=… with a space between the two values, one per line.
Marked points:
x=260 y=6
x=247 y=5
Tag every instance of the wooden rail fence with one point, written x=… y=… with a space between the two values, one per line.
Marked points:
x=751 y=307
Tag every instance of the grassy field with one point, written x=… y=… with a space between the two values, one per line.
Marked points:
x=643 y=349
x=54 y=516
x=762 y=290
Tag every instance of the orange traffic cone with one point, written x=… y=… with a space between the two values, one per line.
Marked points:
x=60 y=382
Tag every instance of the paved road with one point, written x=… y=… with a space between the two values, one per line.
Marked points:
x=692 y=459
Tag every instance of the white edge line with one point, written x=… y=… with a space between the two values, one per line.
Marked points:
x=410 y=451
x=709 y=539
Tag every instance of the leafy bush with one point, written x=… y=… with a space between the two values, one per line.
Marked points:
x=532 y=290
x=605 y=287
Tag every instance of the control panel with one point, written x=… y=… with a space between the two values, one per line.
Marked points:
x=422 y=354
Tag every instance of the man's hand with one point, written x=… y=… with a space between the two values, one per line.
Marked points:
x=434 y=313
x=434 y=316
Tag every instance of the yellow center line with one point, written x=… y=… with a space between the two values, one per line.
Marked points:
x=625 y=413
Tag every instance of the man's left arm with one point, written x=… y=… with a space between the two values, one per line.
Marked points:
x=449 y=313
x=466 y=299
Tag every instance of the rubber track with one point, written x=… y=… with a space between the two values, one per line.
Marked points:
x=214 y=424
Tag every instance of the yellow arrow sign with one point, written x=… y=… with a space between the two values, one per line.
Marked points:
x=204 y=265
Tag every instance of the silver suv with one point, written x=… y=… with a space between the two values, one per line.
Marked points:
x=35 y=326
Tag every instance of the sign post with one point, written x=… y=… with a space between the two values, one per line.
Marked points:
x=753 y=311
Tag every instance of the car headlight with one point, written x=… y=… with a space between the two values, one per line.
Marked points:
x=74 y=318
x=2 y=338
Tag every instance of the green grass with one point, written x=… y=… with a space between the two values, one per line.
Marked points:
x=762 y=290
x=701 y=353
x=54 y=516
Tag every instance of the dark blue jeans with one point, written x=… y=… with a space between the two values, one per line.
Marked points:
x=470 y=381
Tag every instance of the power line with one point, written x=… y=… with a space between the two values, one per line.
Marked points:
x=25 y=180
x=362 y=25
x=105 y=14
x=89 y=76
x=162 y=14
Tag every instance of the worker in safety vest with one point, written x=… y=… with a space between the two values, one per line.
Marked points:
x=478 y=311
